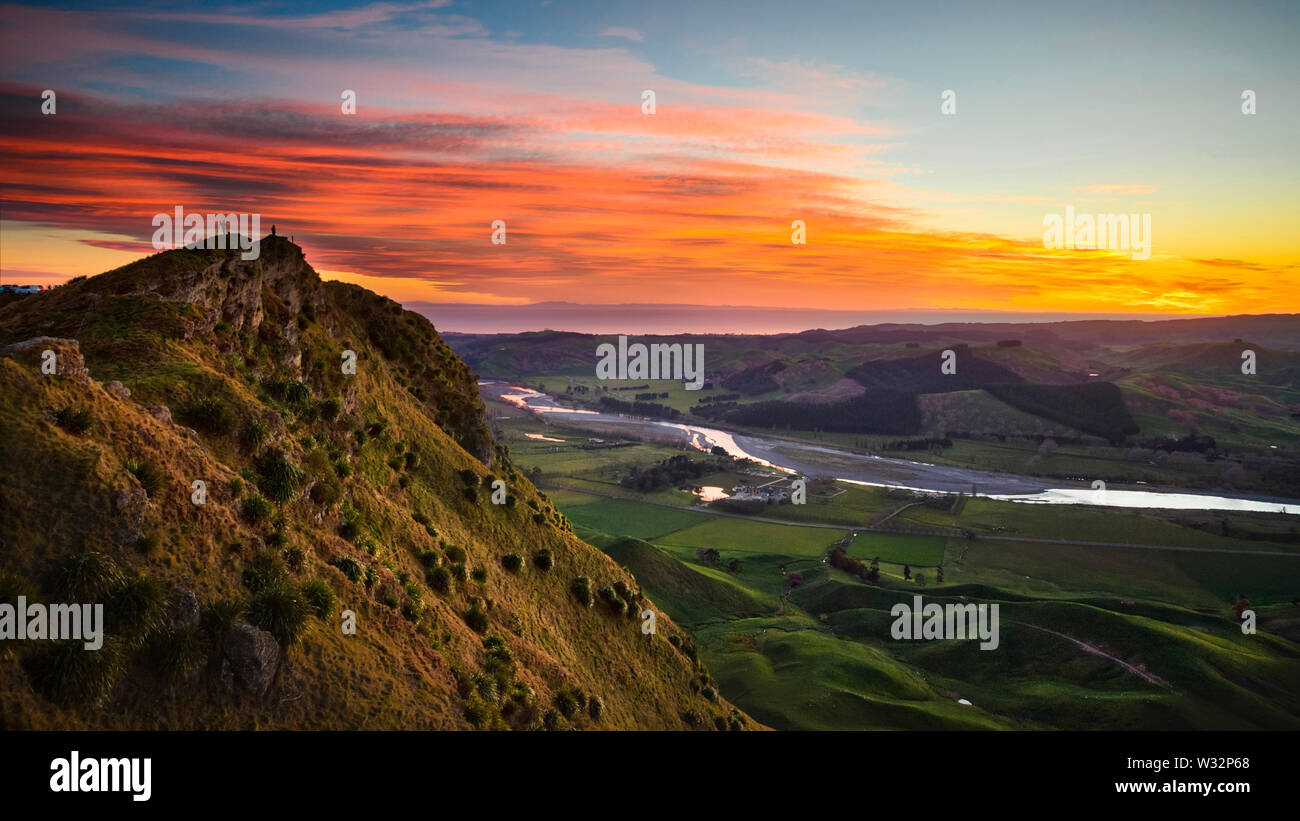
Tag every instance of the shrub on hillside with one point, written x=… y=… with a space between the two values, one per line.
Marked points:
x=294 y=558
x=565 y=703
x=413 y=607
x=297 y=392
x=542 y=559
x=350 y=526
x=85 y=577
x=256 y=509
x=429 y=559
x=278 y=477
x=136 y=608
x=580 y=588
x=265 y=570
x=476 y=618
x=218 y=618
x=320 y=598
x=613 y=600
x=282 y=611
x=210 y=415
x=327 y=491
x=512 y=562
x=256 y=433
x=439 y=578
x=67 y=674
x=350 y=567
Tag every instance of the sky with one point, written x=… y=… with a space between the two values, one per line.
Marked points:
x=764 y=113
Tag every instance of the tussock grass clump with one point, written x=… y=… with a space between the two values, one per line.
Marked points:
x=566 y=703
x=181 y=652
x=278 y=477
x=85 y=577
x=256 y=509
x=595 y=708
x=413 y=607
x=265 y=570
x=136 y=608
x=459 y=572
x=350 y=567
x=149 y=475
x=454 y=553
x=476 y=618
x=297 y=392
x=350 y=526
x=480 y=574
x=210 y=415
x=440 y=579
x=542 y=559
x=429 y=559
x=218 y=617
x=281 y=610
x=327 y=491
x=255 y=435
x=320 y=597
x=74 y=419
x=580 y=588
x=68 y=674
x=512 y=562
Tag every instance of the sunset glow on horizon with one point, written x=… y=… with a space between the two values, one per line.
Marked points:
x=469 y=113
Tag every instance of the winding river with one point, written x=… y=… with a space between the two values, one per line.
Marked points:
x=883 y=471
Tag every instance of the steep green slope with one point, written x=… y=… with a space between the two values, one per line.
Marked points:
x=326 y=491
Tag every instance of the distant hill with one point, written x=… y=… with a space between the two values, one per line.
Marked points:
x=922 y=374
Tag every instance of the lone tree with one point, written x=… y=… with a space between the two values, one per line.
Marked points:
x=1242 y=605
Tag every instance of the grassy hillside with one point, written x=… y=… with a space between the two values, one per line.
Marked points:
x=326 y=492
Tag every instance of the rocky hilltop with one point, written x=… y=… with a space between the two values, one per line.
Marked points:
x=282 y=492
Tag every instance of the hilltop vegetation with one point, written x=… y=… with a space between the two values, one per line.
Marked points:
x=328 y=496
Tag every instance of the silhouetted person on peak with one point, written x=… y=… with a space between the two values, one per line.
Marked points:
x=272 y=230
